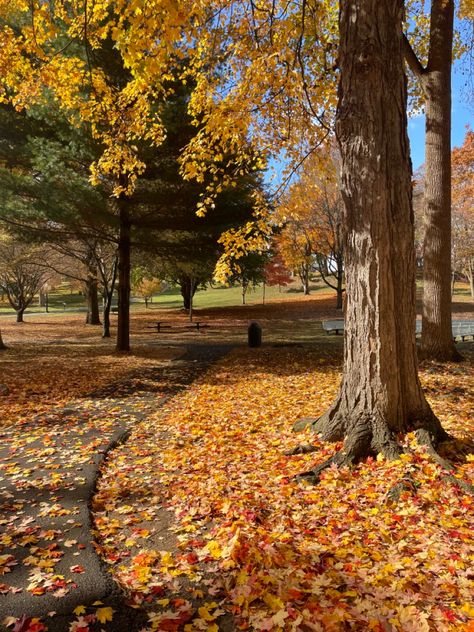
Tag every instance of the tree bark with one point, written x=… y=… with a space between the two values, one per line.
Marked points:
x=3 y=346
x=124 y=247
x=188 y=289
x=19 y=315
x=380 y=395
x=92 y=298
x=436 y=337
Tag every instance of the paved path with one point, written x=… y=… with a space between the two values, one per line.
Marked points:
x=48 y=472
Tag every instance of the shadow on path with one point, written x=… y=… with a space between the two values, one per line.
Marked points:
x=48 y=474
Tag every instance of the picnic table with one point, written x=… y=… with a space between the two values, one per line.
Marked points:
x=162 y=326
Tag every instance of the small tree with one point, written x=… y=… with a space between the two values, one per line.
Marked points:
x=251 y=272
x=22 y=274
x=144 y=285
x=276 y=272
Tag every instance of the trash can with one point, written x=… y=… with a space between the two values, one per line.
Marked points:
x=255 y=335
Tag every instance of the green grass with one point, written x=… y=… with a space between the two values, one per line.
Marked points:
x=62 y=300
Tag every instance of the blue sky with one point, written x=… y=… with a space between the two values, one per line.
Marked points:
x=462 y=115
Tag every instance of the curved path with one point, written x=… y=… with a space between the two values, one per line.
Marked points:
x=48 y=472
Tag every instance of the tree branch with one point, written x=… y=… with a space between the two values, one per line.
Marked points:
x=412 y=60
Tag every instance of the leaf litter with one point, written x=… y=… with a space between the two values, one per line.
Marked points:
x=203 y=524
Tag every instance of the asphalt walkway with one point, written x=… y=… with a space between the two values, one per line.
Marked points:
x=48 y=470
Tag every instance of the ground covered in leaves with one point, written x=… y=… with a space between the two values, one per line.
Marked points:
x=202 y=523
x=198 y=515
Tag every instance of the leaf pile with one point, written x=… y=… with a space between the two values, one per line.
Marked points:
x=203 y=524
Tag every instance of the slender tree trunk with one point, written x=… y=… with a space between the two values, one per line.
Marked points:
x=19 y=315
x=470 y=276
x=305 y=279
x=124 y=247
x=92 y=298
x=245 y=287
x=191 y=297
x=108 y=293
x=380 y=394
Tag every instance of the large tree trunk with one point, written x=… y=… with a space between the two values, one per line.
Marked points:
x=124 y=247
x=380 y=394
x=436 y=338
x=3 y=346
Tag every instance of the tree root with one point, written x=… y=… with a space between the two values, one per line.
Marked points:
x=406 y=484
x=313 y=476
x=304 y=448
x=425 y=439
x=303 y=423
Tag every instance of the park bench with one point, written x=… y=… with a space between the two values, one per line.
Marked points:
x=460 y=328
x=333 y=326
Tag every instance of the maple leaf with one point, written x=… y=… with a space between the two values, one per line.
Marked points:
x=104 y=614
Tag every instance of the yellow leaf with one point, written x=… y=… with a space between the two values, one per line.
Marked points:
x=79 y=610
x=104 y=614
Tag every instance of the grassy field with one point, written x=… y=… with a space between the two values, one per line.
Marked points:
x=62 y=300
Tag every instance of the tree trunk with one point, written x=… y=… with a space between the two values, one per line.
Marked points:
x=188 y=289
x=244 y=291
x=380 y=395
x=3 y=346
x=124 y=247
x=108 y=293
x=436 y=337
x=304 y=276
x=19 y=315
x=470 y=276
x=340 y=281
x=92 y=298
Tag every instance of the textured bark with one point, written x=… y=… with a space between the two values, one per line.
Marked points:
x=380 y=395
x=436 y=338
x=124 y=247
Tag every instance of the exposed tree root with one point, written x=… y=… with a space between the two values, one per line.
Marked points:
x=425 y=439
x=312 y=476
x=303 y=423
x=304 y=448
x=359 y=446
x=406 y=484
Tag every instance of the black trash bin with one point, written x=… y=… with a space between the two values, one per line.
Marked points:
x=255 y=335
